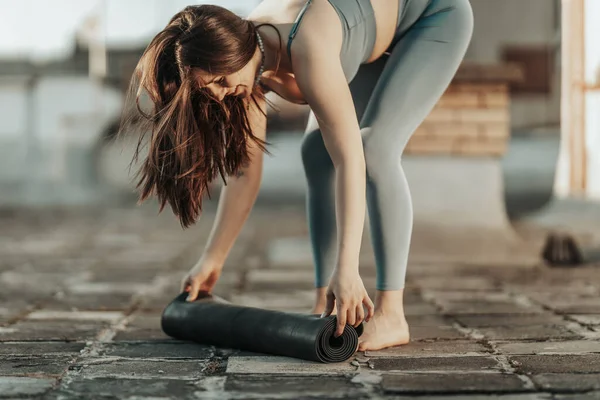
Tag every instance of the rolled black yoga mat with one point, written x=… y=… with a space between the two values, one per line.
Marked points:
x=213 y=321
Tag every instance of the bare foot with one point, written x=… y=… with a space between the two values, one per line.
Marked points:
x=384 y=330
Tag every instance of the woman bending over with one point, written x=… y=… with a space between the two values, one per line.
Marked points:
x=370 y=71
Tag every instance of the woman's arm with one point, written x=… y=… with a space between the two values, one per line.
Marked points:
x=235 y=203
x=321 y=79
x=238 y=196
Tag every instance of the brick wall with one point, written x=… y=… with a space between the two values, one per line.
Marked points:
x=471 y=119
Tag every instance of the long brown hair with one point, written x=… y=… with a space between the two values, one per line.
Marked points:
x=194 y=136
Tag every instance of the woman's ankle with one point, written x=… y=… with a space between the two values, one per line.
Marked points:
x=390 y=302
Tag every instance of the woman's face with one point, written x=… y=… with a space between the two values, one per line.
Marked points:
x=237 y=84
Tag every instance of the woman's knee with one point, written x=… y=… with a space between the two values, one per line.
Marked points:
x=381 y=158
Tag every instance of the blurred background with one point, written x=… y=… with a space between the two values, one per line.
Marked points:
x=517 y=128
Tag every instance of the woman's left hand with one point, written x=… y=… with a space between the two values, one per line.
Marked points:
x=347 y=291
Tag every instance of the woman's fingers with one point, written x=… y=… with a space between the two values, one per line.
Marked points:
x=195 y=288
x=360 y=315
x=351 y=315
x=341 y=320
x=370 y=307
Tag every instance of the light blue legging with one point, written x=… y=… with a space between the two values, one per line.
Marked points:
x=392 y=97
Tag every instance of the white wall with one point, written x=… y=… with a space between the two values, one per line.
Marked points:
x=501 y=22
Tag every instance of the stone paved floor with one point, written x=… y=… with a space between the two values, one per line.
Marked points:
x=81 y=294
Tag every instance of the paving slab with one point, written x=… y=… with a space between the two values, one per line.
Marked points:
x=434 y=364
x=418 y=333
x=485 y=307
x=51 y=330
x=276 y=300
x=126 y=388
x=507 y=320
x=560 y=363
x=24 y=386
x=256 y=386
x=107 y=367
x=432 y=349
x=91 y=301
x=142 y=327
x=56 y=315
x=37 y=348
x=428 y=383
x=34 y=365
x=466 y=396
x=578 y=396
x=590 y=319
x=469 y=283
x=147 y=350
x=538 y=332
x=285 y=366
x=428 y=321
x=567 y=382
x=556 y=347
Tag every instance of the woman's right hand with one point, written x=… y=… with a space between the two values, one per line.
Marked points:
x=201 y=278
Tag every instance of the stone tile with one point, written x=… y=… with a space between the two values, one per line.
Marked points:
x=138 y=256
x=123 y=369
x=33 y=365
x=495 y=396
x=137 y=276
x=51 y=330
x=126 y=288
x=91 y=302
x=452 y=383
x=569 y=303
x=482 y=307
x=434 y=364
x=567 y=347
x=10 y=310
x=255 y=386
x=411 y=309
x=538 y=332
x=462 y=296
x=562 y=363
x=590 y=306
x=276 y=301
x=280 y=279
x=46 y=282
x=427 y=321
x=284 y=366
x=587 y=319
x=175 y=350
x=471 y=283
x=432 y=349
x=124 y=388
x=578 y=396
x=434 y=332
x=37 y=348
x=44 y=315
x=24 y=386
x=506 y=320
x=142 y=327
x=567 y=382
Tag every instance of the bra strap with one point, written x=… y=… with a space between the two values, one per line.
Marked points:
x=295 y=28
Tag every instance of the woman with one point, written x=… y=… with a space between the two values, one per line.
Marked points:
x=206 y=75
